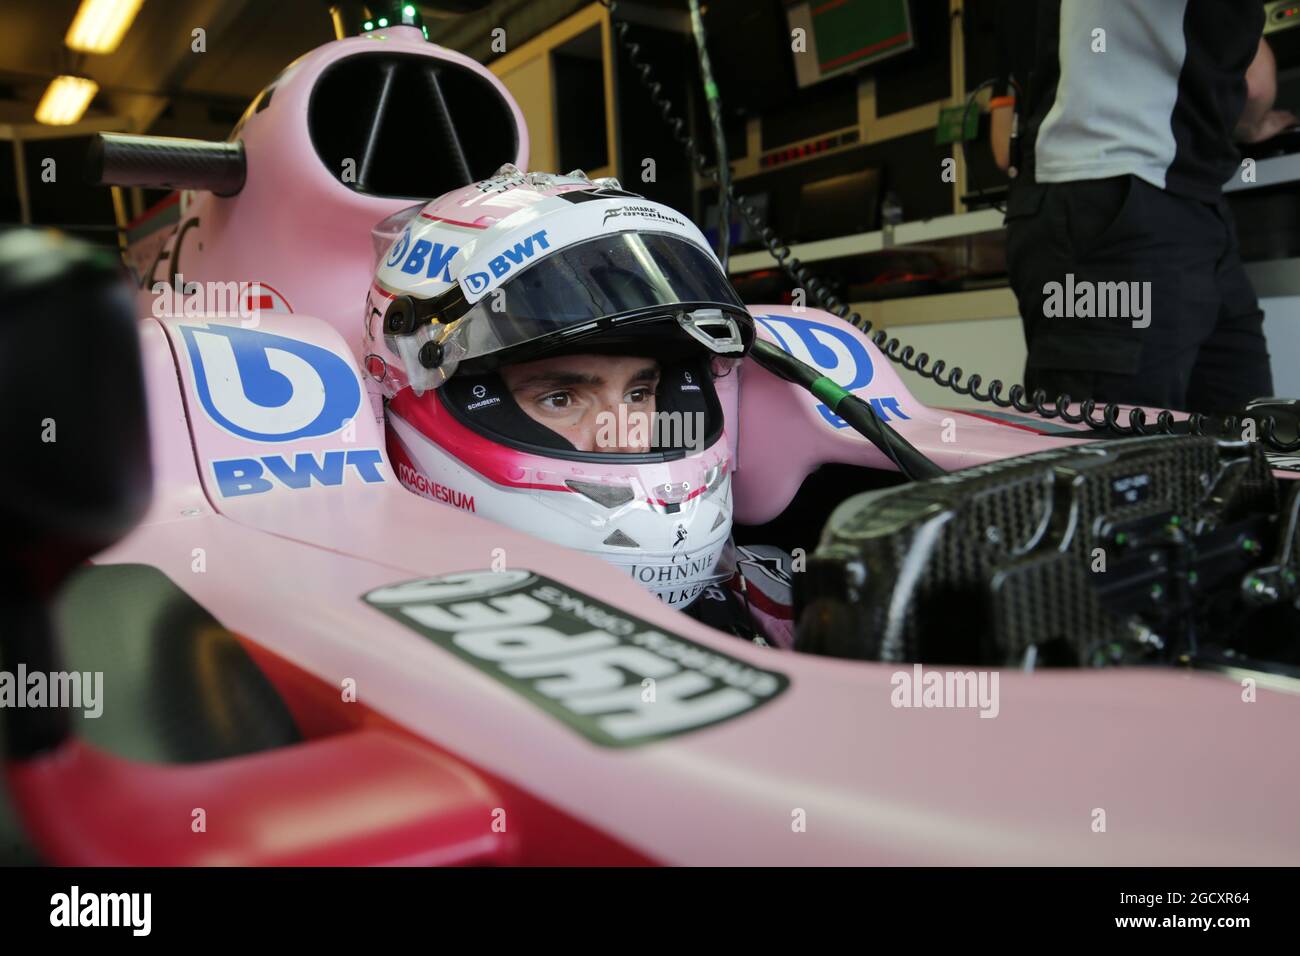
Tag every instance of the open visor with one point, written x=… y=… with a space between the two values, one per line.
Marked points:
x=615 y=290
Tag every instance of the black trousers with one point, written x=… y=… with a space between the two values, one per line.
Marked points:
x=1189 y=331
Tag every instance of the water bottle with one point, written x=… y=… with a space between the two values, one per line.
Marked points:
x=891 y=214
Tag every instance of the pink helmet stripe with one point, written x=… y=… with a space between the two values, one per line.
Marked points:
x=454 y=222
x=497 y=463
x=492 y=461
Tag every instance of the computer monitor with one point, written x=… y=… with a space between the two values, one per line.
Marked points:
x=844 y=35
x=839 y=205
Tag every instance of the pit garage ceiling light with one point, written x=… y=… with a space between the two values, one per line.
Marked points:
x=100 y=25
x=65 y=100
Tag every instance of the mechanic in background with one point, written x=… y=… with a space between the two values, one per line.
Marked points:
x=1127 y=119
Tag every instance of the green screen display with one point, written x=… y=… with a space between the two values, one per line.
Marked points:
x=852 y=33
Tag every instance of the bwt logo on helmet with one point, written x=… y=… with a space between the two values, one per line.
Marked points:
x=476 y=282
x=437 y=256
x=267 y=387
x=837 y=352
x=399 y=250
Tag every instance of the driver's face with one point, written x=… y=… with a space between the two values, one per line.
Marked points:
x=578 y=397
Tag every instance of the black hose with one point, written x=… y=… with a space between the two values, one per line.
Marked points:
x=719 y=137
x=861 y=417
x=443 y=116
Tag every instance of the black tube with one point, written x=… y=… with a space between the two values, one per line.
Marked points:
x=376 y=123
x=861 y=417
x=443 y=116
x=166 y=162
x=719 y=137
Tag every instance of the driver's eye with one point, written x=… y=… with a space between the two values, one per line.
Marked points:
x=556 y=400
x=638 y=395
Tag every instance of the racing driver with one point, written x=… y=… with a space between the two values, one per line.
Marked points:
x=561 y=356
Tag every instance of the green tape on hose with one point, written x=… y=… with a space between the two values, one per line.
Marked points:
x=829 y=392
x=710 y=89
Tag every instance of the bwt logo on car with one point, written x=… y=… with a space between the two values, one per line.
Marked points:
x=500 y=265
x=835 y=351
x=270 y=388
x=244 y=476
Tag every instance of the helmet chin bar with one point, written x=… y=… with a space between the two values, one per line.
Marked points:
x=714 y=329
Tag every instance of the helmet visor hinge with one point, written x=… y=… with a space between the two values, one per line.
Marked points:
x=714 y=328
x=406 y=313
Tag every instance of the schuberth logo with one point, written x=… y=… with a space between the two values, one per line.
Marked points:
x=483 y=399
x=584 y=662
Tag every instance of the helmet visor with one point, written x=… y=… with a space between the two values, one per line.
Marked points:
x=592 y=287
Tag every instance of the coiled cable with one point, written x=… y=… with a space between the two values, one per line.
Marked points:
x=1104 y=418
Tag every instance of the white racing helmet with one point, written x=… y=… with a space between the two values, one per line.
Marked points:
x=526 y=266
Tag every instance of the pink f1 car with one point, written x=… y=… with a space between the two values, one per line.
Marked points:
x=305 y=662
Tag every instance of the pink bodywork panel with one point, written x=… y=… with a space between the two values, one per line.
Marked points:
x=1185 y=771
x=294 y=225
x=783 y=437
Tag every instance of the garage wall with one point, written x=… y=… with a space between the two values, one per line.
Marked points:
x=995 y=348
